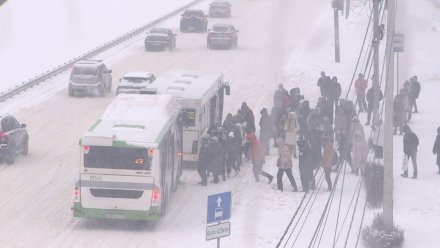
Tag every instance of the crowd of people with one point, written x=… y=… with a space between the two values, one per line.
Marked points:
x=308 y=136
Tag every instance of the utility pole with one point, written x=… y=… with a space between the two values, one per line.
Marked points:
x=336 y=7
x=388 y=125
x=376 y=42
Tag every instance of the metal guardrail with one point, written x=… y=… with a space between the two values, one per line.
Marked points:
x=61 y=68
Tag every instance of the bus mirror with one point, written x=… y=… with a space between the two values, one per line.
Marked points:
x=227 y=89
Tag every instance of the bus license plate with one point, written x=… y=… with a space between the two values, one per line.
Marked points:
x=114 y=216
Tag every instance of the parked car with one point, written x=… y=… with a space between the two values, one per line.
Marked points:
x=87 y=76
x=220 y=8
x=134 y=82
x=160 y=39
x=193 y=20
x=222 y=35
x=14 y=138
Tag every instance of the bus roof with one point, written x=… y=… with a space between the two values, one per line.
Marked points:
x=133 y=120
x=183 y=84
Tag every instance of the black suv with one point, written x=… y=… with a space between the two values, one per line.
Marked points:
x=13 y=138
x=193 y=21
x=88 y=76
x=160 y=38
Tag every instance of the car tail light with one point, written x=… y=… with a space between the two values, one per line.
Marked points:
x=4 y=137
x=86 y=149
x=76 y=195
x=156 y=195
x=151 y=152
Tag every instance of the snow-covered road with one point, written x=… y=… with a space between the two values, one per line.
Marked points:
x=36 y=207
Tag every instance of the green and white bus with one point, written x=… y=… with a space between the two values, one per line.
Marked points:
x=130 y=160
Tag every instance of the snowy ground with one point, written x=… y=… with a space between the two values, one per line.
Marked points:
x=36 y=205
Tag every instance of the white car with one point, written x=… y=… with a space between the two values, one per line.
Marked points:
x=134 y=82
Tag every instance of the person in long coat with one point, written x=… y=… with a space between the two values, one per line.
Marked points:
x=399 y=111
x=361 y=85
x=285 y=164
x=436 y=149
x=266 y=129
x=327 y=161
x=359 y=146
x=291 y=129
x=248 y=117
x=305 y=164
x=204 y=161
x=340 y=119
x=303 y=117
x=258 y=156
x=410 y=144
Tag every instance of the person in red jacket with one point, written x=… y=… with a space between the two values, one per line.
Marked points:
x=361 y=85
x=258 y=155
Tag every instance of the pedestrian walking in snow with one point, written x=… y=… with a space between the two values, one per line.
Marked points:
x=240 y=140
x=436 y=149
x=305 y=164
x=228 y=124
x=410 y=143
x=344 y=149
x=281 y=97
x=377 y=140
x=276 y=114
x=323 y=83
x=231 y=148
x=248 y=115
x=413 y=94
x=359 y=146
x=370 y=99
x=215 y=157
x=399 y=111
x=284 y=164
x=291 y=132
x=361 y=86
x=266 y=129
x=327 y=161
x=303 y=117
x=295 y=98
x=204 y=161
x=340 y=119
x=325 y=109
x=258 y=156
x=334 y=93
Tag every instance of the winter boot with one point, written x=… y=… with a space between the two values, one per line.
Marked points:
x=414 y=175
x=404 y=174
x=270 y=179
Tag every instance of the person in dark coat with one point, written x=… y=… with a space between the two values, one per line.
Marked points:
x=327 y=161
x=284 y=164
x=370 y=99
x=258 y=156
x=413 y=94
x=295 y=98
x=281 y=97
x=215 y=157
x=323 y=83
x=350 y=112
x=410 y=143
x=228 y=124
x=231 y=148
x=399 y=113
x=266 y=129
x=276 y=114
x=305 y=164
x=344 y=149
x=248 y=117
x=303 y=117
x=205 y=160
x=334 y=93
x=325 y=109
x=436 y=149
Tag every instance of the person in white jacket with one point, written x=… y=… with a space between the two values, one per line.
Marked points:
x=291 y=129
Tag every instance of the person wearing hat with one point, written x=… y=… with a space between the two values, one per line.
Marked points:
x=361 y=86
x=248 y=115
x=205 y=159
x=284 y=164
x=436 y=149
x=410 y=143
x=231 y=147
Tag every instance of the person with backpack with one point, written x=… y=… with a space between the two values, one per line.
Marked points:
x=284 y=164
x=410 y=143
x=436 y=149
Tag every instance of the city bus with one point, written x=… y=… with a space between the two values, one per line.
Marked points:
x=130 y=159
x=201 y=96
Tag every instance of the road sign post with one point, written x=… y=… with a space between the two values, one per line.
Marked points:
x=219 y=208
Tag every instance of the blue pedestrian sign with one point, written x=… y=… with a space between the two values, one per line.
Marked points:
x=219 y=207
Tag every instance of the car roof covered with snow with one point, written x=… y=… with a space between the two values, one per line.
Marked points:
x=133 y=120
x=220 y=3
x=183 y=84
x=138 y=74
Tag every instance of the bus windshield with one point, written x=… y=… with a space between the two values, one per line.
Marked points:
x=108 y=157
